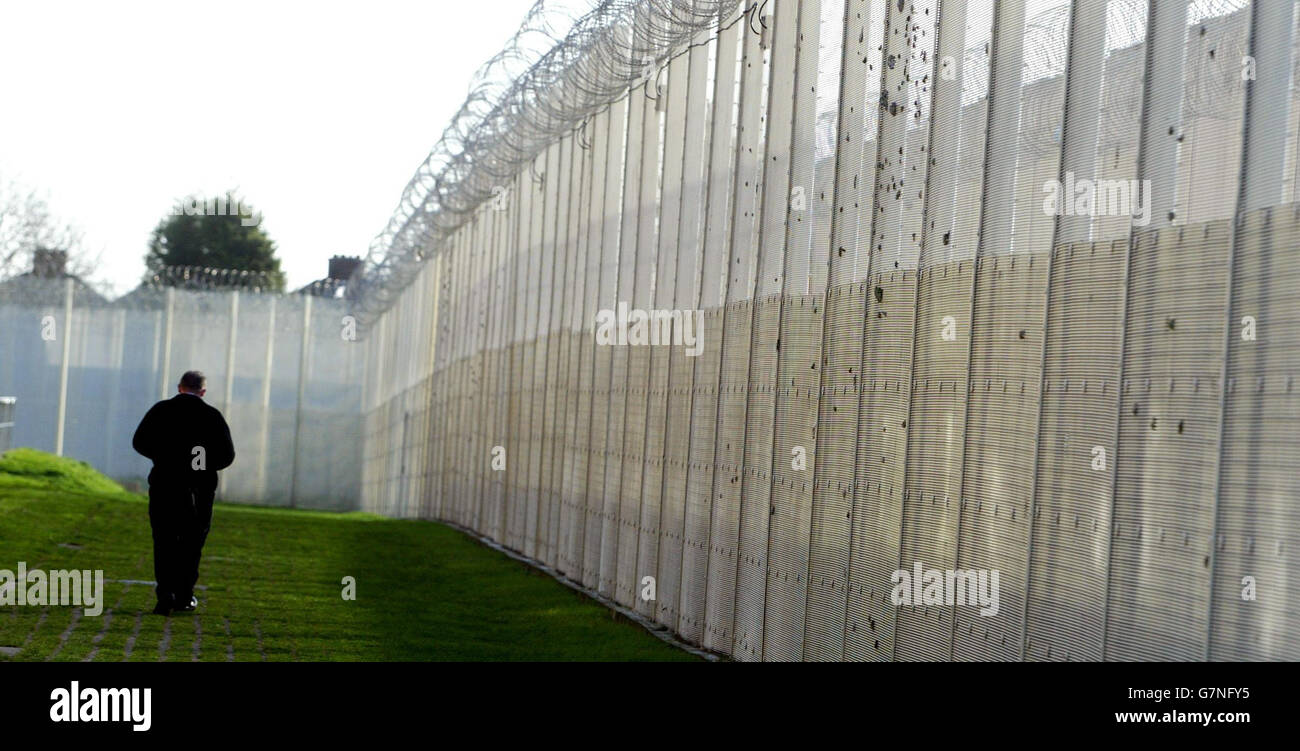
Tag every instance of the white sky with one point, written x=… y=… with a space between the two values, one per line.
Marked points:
x=318 y=112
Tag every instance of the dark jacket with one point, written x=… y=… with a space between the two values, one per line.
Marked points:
x=169 y=433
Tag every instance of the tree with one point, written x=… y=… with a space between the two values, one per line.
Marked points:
x=27 y=224
x=213 y=236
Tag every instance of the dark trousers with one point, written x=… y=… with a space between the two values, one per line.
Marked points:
x=180 y=517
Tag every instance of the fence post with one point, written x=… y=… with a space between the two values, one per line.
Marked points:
x=230 y=368
x=1258 y=185
x=266 y=402
x=63 y=367
x=167 y=344
x=7 y=408
x=302 y=386
x=230 y=350
x=115 y=388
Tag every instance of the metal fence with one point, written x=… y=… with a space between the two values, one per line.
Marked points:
x=284 y=369
x=990 y=286
x=7 y=404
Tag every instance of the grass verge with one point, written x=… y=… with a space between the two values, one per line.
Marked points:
x=273 y=581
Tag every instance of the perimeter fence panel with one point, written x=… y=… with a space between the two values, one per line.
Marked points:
x=939 y=329
x=1174 y=333
x=670 y=248
x=820 y=34
x=736 y=325
x=1070 y=521
x=287 y=371
x=845 y=161
x=1256 y=519
x=884 y=344
x=620 y=253
x=686 y=319
x=713 y=274
x=1005 y=361
x=755 y=471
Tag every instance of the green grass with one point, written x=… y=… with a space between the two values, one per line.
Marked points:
x=273 y=576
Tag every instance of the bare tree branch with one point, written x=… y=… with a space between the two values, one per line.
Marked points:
x=27 y=223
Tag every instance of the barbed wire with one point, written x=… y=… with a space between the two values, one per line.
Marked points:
x=38 y=289
x=520 y=102
x=208 y=278
x=544 y=84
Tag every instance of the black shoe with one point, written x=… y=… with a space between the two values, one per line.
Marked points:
x=188 y=607
x=162 y=608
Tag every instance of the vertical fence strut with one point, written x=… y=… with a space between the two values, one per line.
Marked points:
x=304 y=362
x=1258 y=9
x=268 y=359
x=841 y=122
x=228 y=392
x=1154 y=23
x=63 y=365
x=165 y=384
x=1071 y=56
x=894 y=18
x=775 y=102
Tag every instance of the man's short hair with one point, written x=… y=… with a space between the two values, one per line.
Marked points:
x=193 y=380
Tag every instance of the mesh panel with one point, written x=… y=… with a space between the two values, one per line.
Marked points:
x=1256 y=522
x=1167 y=432
x=699 y=460
x=276 y=367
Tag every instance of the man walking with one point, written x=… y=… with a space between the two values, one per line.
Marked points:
x=188 y=441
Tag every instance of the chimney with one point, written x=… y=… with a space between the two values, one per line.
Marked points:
x=342 y=267
x=49 y=264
